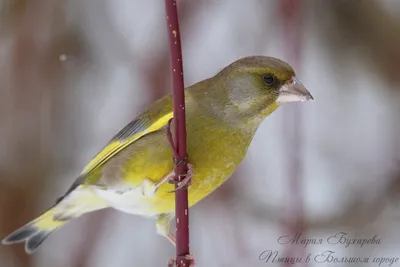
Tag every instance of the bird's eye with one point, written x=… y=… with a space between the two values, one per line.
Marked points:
x=269 y=79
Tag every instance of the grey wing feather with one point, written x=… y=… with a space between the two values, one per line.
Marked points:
x=136 y=126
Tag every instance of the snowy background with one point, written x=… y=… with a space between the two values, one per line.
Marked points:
x=74 y=72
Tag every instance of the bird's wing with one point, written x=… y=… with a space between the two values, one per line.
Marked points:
x=153 y=119
x=156 y=117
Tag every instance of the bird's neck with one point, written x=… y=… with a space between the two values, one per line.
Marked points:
x=219 y=104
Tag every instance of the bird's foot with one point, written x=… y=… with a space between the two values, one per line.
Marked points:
x=186 y=182
x=149 y=188
x=183 y=261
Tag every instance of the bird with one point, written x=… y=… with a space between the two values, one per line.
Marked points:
x=133 y=172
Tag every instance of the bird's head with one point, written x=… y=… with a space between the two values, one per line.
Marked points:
x=256 y=85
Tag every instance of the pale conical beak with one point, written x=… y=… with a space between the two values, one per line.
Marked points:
x=293 y=91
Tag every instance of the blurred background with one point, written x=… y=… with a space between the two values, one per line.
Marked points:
x=74 y=72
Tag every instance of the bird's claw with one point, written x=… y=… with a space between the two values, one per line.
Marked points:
x=186 y=182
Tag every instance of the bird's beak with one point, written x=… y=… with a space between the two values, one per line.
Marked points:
x=293 y=91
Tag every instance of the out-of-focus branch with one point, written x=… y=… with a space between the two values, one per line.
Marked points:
x=367 y=25
x=10 y=12
x=26 y=112
x=293 y=221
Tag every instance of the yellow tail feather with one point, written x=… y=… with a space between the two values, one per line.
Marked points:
x=35 y=232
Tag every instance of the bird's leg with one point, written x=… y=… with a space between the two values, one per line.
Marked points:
x=149 y=188
x=186 y=182
x=163 y=226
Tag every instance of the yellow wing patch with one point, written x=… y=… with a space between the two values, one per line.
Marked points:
x=117 y=144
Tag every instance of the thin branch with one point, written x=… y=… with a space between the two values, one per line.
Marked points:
x=181 y=196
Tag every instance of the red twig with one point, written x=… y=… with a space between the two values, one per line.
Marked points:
x=181 y=196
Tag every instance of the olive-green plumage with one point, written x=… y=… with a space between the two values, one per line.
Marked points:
x=222 y=116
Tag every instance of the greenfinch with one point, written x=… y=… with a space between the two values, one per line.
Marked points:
x=131 y=173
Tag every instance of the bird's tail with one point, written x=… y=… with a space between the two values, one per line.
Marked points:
x=75 y=203
x=35 y=232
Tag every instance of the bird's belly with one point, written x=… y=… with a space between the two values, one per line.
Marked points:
x=130 y=200
x=204 y=181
